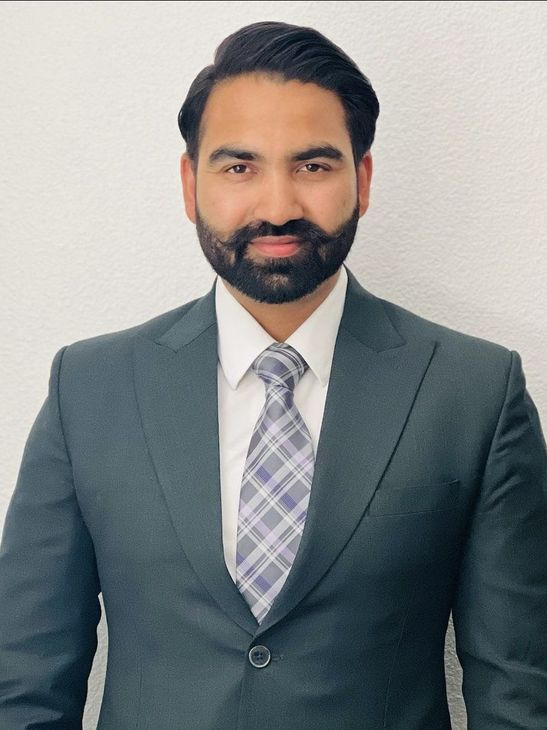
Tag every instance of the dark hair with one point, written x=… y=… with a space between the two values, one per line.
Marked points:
x=292 y=52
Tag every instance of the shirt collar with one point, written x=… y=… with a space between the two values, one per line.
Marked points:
x=241 y=338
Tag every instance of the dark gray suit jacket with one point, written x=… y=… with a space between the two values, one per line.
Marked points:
x=428 y=496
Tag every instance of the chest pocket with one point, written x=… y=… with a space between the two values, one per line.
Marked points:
x=415 y=499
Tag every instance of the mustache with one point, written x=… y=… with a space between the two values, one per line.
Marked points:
x=302 y=229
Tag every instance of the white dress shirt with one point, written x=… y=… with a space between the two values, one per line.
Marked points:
x=241 y=393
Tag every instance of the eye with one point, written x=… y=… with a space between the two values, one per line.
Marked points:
x=317 y=166
x=236 y=171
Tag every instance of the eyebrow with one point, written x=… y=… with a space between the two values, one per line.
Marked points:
x=327 y=150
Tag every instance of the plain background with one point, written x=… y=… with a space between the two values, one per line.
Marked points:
x=94 y=236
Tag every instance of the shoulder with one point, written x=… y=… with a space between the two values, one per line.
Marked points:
x=411 y=325
x=110 y=351
x=463 y=360
x=381 y=323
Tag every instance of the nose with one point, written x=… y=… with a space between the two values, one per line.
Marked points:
x=277 y=200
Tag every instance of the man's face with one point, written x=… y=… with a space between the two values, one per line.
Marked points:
x=275 y=160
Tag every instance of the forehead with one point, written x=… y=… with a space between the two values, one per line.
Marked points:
x=271 y=113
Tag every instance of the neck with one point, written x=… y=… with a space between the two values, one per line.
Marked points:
x=281 y=320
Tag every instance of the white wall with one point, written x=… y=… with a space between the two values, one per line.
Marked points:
x=94 y=236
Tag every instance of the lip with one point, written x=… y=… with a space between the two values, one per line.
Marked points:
x=276 y=245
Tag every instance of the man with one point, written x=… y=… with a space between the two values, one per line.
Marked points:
x=284 y=487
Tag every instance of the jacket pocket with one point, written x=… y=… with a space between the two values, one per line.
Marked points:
x=415 y=499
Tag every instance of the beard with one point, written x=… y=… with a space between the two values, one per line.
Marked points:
x=284 y=279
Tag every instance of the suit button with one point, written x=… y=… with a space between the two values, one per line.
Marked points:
x=259 y=656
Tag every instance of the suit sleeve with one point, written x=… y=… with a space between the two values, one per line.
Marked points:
x=49 y=607
x=500 y=610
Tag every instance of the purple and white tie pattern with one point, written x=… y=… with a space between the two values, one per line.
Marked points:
x=276 y=482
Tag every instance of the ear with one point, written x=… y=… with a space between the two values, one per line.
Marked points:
x=364 y=176
x=188 y=178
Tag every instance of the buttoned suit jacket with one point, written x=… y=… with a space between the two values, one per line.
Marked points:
x=428 y=497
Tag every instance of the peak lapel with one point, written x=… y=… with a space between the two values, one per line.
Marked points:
x=176 y=387
x=374 y=380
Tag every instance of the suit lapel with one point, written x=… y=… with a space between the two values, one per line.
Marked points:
x=374 y=380
x=176 y=387
x=375 y=376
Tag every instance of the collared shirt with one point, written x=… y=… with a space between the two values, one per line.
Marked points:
x=241 y=393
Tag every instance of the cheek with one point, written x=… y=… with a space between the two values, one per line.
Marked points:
x=330 y=206
x=223 y=212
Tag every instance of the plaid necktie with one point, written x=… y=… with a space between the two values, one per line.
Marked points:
x=276 y=482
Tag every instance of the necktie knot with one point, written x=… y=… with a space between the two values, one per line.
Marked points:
x=280 y=365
